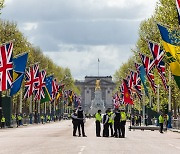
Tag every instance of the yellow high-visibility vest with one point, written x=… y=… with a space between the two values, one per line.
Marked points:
x=3 y=119
x=98 y=117
x=123 y=116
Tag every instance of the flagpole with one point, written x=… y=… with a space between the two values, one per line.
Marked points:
x=0 y=105
x=98 y=67
x=169 y=101
x=143 y=103
x=158 y=98
x=30 y=109
x=20 y=102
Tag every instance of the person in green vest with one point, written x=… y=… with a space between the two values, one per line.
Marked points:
x=98 y=123
x=161 y=122
x=123 y=123
x=111 y=121
x=19 y=120
x=42 y=119
x=3 y=120
x=49 y=118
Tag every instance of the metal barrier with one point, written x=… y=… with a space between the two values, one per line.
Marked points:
x=176 y=123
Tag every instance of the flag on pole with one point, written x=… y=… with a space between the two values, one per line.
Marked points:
x=39 y=92
x=31 y=78
x=60 y=91
x=148 y=65
x=19 y=66
x=142 y=75
x=6 y=66
x=54 y=89
x=171 y=44
x=127 y=98
x=178 y=9
x=158 y=54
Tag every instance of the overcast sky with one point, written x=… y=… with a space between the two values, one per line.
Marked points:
x=75 y=33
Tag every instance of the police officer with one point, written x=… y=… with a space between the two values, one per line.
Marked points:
x=81 y=120
x=98 y=123
x=117 y=118
x=105 y=124
x=111 y=121
x=123 y=123
x=42 y=119
x=74 y=122
x=161 y=121
x=3 y=120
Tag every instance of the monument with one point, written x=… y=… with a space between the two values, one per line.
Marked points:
x=97 y=103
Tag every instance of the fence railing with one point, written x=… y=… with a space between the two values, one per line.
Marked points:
x=176 y=123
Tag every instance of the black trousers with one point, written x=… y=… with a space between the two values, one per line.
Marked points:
x=81 y=126
x=75 y=125
x=122 y=128
x=161 y=127
x=2 y=124
x=117 y=132
x=111 y=128
x=98 y=128
x=106 y=130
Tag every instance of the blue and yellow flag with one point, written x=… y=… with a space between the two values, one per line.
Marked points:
x=171 y=43
x=19 y=65
x=47 y=89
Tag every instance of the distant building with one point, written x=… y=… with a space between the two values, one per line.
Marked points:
x=87 y=88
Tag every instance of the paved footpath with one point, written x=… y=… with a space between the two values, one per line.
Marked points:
x=56 y=138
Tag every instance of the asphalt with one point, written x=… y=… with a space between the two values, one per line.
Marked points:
x=56 y=138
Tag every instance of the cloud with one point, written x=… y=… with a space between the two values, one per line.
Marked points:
x=85 y=63
x=74 y=33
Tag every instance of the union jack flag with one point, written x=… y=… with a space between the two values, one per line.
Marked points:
x=40 y=86
x=54 y=89
x=136 y=83
x=148 y=65
x=116 y=101
x=31 y=78
x=158 y=54
x=178 y=9
x=6 y=66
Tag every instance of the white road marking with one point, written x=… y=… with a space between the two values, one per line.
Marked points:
x=81 y=149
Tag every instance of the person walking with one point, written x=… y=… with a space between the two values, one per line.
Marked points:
x=161 y=121
x=98 y=123
x=3 y=120
x=105 y=124
x=123 y=123
x=81 y=120
x=74 y=122
x=117 y=118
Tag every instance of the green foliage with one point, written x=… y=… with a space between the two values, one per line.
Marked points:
x=166 y=14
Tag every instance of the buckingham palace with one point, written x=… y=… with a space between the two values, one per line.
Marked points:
x=87 y=88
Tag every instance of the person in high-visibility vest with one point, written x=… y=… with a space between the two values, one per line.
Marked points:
x=161 y=122
x=98 y=123
x=19 y=119
x=111 y=122
x=42 y=119
x=123 y=123
x=117 y=117
x=3 y=120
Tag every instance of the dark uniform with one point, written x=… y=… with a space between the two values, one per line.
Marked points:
x=122 y=124
x=117 y=118
x=75 y=123
x=105 y=125
x=81 y=118
x=3 y=120
x=98 y=123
